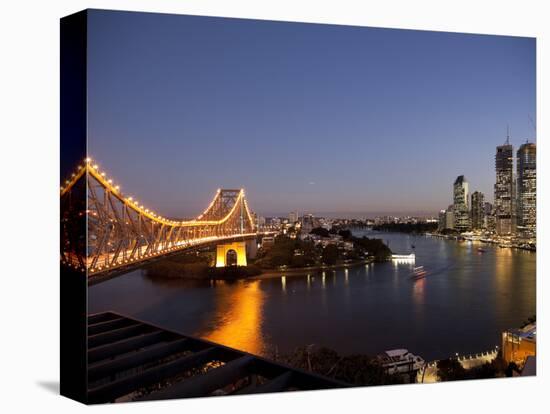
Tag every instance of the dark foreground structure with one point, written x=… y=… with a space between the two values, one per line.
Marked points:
x=130 y=360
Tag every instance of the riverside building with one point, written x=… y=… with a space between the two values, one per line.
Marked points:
x=478 y=211
x=527 y=189
x=460 y=204
x=504 y=189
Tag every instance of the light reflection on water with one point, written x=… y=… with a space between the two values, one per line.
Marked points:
x=462 y=306
x=238 y=318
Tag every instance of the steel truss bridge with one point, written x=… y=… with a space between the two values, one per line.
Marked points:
x=103 y=230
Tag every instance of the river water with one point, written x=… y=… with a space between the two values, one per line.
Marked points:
x=467 y=299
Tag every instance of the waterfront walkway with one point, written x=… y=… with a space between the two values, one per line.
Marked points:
x=467 y=362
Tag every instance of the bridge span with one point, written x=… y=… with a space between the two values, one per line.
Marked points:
x=104 y=230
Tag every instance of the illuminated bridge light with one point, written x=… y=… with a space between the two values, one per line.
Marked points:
x=224 y=219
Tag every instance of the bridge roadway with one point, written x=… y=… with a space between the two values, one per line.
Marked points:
x=143 y=257
x=121 y=233
x=115 y=270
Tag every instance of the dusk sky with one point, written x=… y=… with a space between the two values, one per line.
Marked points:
x=307 y=117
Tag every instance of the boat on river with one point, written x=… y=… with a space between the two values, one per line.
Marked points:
x=418 y=273
x=400 y=361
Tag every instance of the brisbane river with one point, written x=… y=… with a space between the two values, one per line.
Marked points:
x=467 y=299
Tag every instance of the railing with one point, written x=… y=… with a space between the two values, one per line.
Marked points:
x=102 y=229
x=129 y=359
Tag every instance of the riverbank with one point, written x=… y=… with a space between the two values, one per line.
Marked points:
x=272 y=273
x=173 y=271
x=258 y=315
x=502 y=243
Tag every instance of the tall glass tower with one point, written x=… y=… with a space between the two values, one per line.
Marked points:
x=460 y=204
x=527 y=189
x=504 y=189
x=478 y=211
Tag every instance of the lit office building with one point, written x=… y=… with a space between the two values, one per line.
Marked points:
x=477 y=211
x=504 y=189
x=260 y=222
x=527 y=189
x=460 y=204
x=441 y=220
x=450 y=217
x=519 y=344
x=293 y=217
x=308 y=223
x=489 y=217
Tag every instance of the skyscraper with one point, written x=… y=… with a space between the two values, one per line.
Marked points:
x=441 y=222
x=308 y=223
x=293 y=217
x=450 y=217
x=489 y=217
x=527 y=189
x=478 y=211
x=504 y=189
x=460 y=204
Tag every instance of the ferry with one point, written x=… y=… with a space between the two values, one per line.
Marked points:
x=418 y=273
x=400 y=361
x=403 y=258
x=410 y=256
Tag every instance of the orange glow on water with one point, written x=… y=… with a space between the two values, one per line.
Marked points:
x=240 y=319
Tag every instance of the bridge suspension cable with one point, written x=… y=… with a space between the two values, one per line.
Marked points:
x=119 y=231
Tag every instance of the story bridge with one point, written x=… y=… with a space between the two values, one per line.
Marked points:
x=105 y=231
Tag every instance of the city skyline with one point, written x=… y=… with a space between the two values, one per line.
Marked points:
x=237 y=194
x=332 y=120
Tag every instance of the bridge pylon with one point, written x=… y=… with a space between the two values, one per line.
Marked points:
x=222 y=251
x=121 y=233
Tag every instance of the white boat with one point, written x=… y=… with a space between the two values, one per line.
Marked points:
x=418 y=273
x=403 y=256
x=400 y=361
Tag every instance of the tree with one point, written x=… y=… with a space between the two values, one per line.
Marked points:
x=282 y=253
x=330 y=254
x=374 y=247
x=511 y=368
x=352 y=369
x=420 y=227
x=450 y=370
x=320 y=231
x=487 y=370
x=346 y=234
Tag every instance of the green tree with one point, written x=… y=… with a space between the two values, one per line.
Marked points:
x=450 y=370
x=374 y=247
x=511 y=368
x=330 y=254
x=346 y=234
x=352 y=369
x=320 y=231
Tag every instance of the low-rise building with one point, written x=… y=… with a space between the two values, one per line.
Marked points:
x=518 y=344
x=348 y=246
x=268 y=241
x=450 y=218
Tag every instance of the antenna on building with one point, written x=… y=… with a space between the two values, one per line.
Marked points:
x=533 y=125
x=507 y=134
